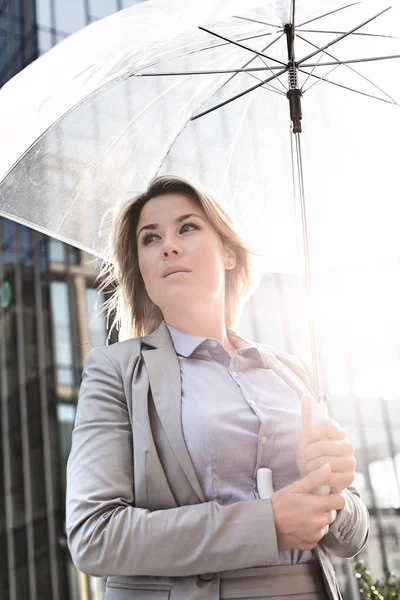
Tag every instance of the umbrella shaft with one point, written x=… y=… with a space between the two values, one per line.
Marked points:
x=313 y=333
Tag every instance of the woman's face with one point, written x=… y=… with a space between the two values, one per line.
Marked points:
x=181 y=257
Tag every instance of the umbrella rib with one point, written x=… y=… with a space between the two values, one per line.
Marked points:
x=341 y=37
x=242 y=46
x=268 y=67
x=252 y=59
x=348 y=88
x=329 y=13
x=345 y=65
x=269 y=87
x=216 y=72
x=319 y=82
x=206 y=112
x=315 y=66
x=352 y=60
x=256 y=21
x=245 y=39
x=222 y=71
x=379 y=35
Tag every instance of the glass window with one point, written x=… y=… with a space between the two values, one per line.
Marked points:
x=70 y=16
x=102 y=8
x=66 y=417
x=5 y=294
x=128 y=3
x=73 y=255
x=8 y=241
x=383 y=480
x=96 y=320
x=26 y=242
x=44 y=254
x=43 y=12
x=360 y=483
x=56 y=250
x=62 y=332
x=45 y=40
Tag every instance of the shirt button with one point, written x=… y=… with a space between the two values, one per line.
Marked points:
x=213 y=344
x=253 y=403
x=234 y=374
x=263 y=439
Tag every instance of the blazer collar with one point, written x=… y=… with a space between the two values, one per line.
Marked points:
x=159 y=338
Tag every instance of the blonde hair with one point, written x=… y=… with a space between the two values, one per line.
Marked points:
x=129 y=299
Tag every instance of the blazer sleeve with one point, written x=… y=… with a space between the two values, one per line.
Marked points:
x=107 y=535
x=349 y=533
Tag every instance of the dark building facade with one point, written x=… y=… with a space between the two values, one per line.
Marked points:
x=49 y=319
x=18 y=36
x=47 y=323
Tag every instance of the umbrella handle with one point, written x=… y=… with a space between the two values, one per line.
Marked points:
x=319 y=412
x=264 y=482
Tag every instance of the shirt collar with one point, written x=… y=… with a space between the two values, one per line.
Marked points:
x=185 y=344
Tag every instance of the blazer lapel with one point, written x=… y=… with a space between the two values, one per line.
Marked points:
x=163 y=369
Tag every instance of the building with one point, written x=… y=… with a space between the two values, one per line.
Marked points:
x=48 y=319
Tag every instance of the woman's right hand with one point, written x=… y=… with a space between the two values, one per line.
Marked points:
x=301 y=517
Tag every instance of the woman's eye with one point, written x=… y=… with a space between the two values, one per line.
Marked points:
x=191 y=226
x=148 y=238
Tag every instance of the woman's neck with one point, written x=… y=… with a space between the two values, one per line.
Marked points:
x=202 y=325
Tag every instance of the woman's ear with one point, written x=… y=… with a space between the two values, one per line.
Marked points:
x=230 y=262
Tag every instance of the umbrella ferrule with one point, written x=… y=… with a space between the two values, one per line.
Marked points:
x=294 y=97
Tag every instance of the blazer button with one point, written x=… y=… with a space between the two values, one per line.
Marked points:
x=206 y=576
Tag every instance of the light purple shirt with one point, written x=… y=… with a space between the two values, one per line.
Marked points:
x=237 y=416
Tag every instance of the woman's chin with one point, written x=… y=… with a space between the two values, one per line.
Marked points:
x=182 y=298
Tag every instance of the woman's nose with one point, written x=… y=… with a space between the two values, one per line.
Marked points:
x=171 y=247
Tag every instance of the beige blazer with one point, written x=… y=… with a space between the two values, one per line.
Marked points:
x=135 y=511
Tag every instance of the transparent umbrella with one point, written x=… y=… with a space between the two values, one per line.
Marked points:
x=219 y=93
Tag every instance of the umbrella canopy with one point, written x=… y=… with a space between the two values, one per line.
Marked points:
x=134 y=95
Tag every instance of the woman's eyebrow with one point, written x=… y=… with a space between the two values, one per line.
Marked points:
x=177 y=220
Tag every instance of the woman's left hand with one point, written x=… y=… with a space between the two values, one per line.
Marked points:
x=325 y=442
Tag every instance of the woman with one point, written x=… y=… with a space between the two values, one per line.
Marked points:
x=172 y=425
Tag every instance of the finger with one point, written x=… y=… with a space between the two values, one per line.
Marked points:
x=331 y=502
x=325 y=530
x=328 y=428
x=340 y=481
x=313 y=480
x=328 y=448
x=339 y=464
x=331 y=516
x=306 y=413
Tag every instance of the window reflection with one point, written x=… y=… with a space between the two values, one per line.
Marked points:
x=70 y=16
x=65 y=417
x=26 y=241
x=102 y=8
x=383 y=479
x=60 y=312
x=8 y=241
x=56 y=250
x=96 y=319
